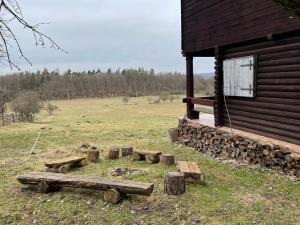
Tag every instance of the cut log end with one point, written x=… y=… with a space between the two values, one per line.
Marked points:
x=93 y=156
x=174 y=183
x=113 y=153
x=112 y=196
x=167 y=159
x=127 y=151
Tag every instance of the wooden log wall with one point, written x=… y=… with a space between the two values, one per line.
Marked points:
x=220 y=144
x=214 y=22
x=275 y=111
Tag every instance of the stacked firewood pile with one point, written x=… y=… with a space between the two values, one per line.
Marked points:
x=220 y=144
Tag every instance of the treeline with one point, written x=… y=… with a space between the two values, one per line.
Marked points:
x=91 y=84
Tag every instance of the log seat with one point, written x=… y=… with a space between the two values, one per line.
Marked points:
x=191 y=171
x=49 y=182
x=63 y=165
x=150 y=156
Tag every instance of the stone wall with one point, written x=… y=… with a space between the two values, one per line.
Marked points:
x=219 y=144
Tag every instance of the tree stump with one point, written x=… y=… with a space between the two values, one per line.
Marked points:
x=127 y=150
x=93 y=156
x=174 y=183
x=173 y=134
x=113 y=153
x=112 y=196
x=167 y=159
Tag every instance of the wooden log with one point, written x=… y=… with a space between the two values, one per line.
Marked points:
x=167 y=159
x=60 y=169
x=152 y=158
x=112 y=196
x=127 y=151
x=173 y=134
x=72 y=161
x=174 y=183
x=93 y=156
x=113 y=153
x=86 y=182
x=191 y=171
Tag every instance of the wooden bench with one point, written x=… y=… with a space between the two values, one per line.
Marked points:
x=191 y=171
x=50 y=182
x=63 y=165
x=150 y=156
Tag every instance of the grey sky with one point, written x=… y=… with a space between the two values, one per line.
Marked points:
x=107 y=33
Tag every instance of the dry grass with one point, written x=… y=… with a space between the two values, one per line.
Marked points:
x=230 y=196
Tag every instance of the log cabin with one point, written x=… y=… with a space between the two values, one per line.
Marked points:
x=256 y=46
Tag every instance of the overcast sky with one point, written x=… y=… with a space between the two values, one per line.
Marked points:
x=106 y=34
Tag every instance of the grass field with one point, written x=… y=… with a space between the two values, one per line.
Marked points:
x=230 y=195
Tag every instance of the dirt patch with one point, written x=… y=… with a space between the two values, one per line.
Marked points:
x=251 y=198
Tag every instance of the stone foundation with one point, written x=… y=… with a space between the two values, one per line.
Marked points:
x=220 y=144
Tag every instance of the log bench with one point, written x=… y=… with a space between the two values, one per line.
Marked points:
x=191 y=171
x=63 y=165
x=150 y=156
x=113 y=189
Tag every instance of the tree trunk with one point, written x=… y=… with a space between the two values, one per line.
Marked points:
x=167 y=159
x=113 y=153
x=174 y=183
x=93 y=155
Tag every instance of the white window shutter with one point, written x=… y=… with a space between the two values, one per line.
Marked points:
x=239 y=76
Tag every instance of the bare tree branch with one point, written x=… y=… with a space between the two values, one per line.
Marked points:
x=11 y=11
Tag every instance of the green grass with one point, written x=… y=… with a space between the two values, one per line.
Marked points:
x=230 y=195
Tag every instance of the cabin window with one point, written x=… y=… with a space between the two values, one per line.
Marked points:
x=239 y=74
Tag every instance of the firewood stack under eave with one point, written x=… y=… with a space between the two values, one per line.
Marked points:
x=220 y=144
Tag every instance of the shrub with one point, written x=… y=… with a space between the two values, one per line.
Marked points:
x=26 y=103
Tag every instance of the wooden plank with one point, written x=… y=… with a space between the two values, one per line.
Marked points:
x=145 y=152
x=86 y=182
x=60 y=162
x=204 y=110
x=184 y=168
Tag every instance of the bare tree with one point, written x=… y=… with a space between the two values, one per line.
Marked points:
x=4 y=99
x=51 y=108
x=10 y=14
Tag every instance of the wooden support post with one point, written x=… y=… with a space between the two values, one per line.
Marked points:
x=219 y=98
x=191 y=114
x=127 y=150
x=152 y=159
x=174 y=183
x=167 y=159
x=112 y=196
x=93 y=156
x=60 y=169
x=113 y=153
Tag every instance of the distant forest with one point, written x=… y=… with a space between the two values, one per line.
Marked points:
x=95 y=84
